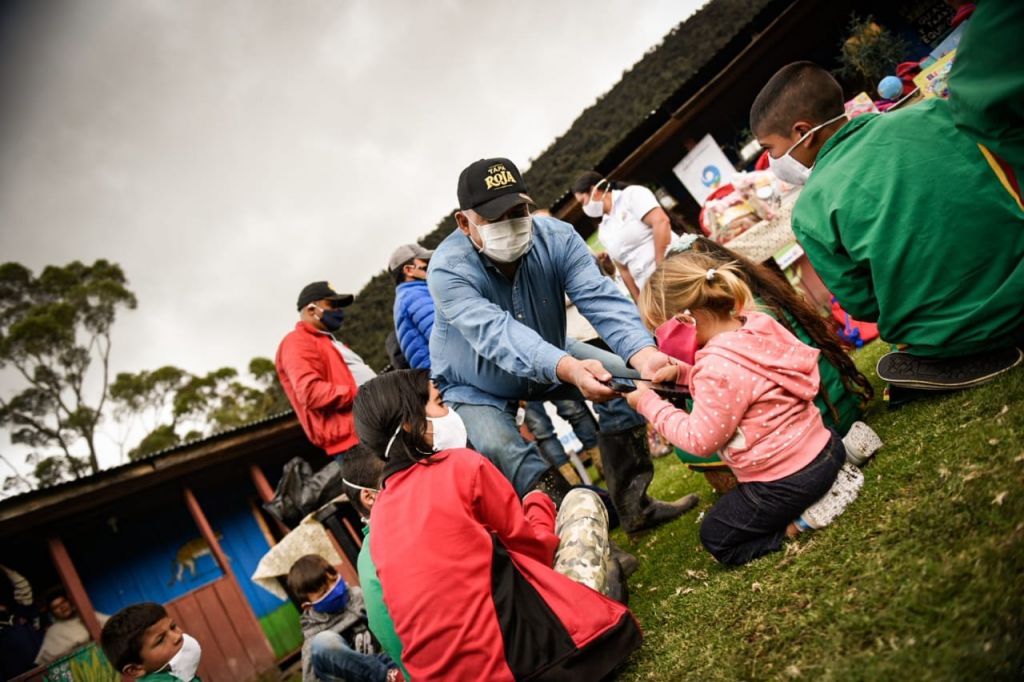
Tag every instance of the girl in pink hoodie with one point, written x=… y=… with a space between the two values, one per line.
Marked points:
x=753 y=385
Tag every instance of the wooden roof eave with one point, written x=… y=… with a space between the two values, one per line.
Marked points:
x=63 y=501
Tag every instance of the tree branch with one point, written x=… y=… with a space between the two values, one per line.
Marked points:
x=17 y=473
x=41 y=386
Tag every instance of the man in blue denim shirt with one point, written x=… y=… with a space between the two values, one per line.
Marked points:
x=499 y=284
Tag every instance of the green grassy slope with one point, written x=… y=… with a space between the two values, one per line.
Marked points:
x=923 y=575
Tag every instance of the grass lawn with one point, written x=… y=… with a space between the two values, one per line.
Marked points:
x=923 y=574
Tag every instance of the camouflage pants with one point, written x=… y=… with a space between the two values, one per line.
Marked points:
x=584 y=551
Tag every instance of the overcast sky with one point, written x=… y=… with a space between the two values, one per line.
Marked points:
x=227 y=152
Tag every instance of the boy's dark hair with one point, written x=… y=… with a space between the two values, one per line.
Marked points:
x=801 y=91
x=121 y=638
x=363 y=468
x=309 y=574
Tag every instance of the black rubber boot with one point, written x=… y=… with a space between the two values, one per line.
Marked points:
x=554 y=484
x=626 y=561
x=618 y=589
x=628 y=471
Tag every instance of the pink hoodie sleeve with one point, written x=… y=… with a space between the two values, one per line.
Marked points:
x=660 y=359
x=717 y=411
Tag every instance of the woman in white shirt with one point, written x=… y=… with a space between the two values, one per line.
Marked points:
x=635 y=230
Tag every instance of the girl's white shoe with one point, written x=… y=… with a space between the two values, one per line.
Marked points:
x=861 y=443
x=833 y=503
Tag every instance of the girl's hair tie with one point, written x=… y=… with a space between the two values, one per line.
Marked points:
x=710 y=274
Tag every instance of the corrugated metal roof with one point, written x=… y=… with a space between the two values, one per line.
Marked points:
x=152 y=457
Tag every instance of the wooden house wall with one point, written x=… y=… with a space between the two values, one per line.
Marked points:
x=233 y=649
x=156 y=553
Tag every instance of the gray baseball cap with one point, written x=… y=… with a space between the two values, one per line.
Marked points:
x=405 y=253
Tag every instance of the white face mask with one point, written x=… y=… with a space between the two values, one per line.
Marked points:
x=593 y=208
x=787 y=168
x=507 y=240
x=185 y=663
x=449 y=431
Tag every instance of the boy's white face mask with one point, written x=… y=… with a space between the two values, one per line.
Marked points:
x=787 y=168
x=185 y=663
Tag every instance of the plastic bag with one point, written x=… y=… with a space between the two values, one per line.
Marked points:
x=300 y=491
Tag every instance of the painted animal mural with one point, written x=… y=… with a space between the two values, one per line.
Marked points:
x=186 y=557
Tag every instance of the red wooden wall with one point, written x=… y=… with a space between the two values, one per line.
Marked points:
x=234 y=647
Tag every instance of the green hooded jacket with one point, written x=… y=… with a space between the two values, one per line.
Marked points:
x=908 y=226
x=381 y=625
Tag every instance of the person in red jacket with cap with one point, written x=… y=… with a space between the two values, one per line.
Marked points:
x=319 y=374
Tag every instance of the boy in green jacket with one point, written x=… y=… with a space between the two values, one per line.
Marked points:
x=906 y=223
x=143 y=642
x=361 y=473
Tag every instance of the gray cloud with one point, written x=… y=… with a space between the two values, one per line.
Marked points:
x=227 y=153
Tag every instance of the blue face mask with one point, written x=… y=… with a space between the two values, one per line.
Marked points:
x=335 y=600
x=332 y=318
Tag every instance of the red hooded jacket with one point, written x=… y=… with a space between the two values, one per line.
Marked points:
x=319 y=386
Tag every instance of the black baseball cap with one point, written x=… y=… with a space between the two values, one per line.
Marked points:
x=317 y=291
x=492 y=186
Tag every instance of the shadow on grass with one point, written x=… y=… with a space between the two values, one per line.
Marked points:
x=924 y=574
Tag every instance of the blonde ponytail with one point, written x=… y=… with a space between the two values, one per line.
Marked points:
x=695 y=281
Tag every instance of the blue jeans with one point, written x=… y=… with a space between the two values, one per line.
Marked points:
x=493 y=432
x=575 y=412
x=333 y=660
x=539 y=423
x=750 y=520
x=583 y=423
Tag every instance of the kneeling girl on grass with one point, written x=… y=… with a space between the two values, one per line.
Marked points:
x=843 y=392
x=753 y=386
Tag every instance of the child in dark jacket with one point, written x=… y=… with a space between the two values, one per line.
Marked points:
x=337 y=644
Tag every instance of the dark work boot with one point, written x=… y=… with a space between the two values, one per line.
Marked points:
x=628 y=471
x=627 y=561
x=554 y=484
x=618 y=589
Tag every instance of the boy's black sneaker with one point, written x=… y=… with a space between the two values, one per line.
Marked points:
x=904 y=370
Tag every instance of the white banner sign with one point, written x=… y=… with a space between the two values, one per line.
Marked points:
x=704 y=169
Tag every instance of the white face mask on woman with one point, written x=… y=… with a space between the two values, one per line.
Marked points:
x=505 y=240
x=594 y=208
x=787 y=168
x=449 y=431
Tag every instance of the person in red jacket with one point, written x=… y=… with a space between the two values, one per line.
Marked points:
x=319 y=374
x=471 y=575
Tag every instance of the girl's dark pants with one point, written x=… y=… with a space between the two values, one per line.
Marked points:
x=750 y=521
